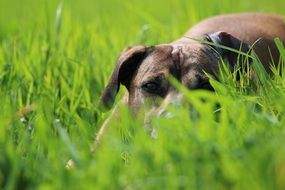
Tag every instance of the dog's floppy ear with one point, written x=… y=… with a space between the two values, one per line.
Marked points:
x=227 y=40
x=126 y=65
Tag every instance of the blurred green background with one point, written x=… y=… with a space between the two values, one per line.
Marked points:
x=25 y=15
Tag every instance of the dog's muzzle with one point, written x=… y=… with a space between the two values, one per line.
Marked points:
x=173 y=99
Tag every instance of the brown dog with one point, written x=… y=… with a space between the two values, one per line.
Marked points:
x=144 y=70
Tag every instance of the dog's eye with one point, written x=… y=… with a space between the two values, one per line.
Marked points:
x=153 y=88
x=150 y=87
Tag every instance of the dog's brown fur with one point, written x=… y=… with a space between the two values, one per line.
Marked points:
x=249 y=28
x=144 y=70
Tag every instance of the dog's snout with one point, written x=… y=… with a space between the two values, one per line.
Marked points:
x=165 y=113
x=173 y=99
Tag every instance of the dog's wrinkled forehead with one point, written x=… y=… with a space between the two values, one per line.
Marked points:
x=169 y=59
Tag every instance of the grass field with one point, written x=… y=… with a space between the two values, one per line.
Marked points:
x=56 y=58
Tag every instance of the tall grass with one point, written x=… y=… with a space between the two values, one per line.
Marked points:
x=55 y=59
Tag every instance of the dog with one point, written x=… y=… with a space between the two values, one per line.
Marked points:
x=192 y=58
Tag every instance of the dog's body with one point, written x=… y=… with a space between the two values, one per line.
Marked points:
x=250 y=28
x=144 y=70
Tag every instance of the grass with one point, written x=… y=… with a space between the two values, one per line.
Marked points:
x=56 y=57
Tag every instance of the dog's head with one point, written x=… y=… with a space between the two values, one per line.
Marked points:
x=144 y=70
